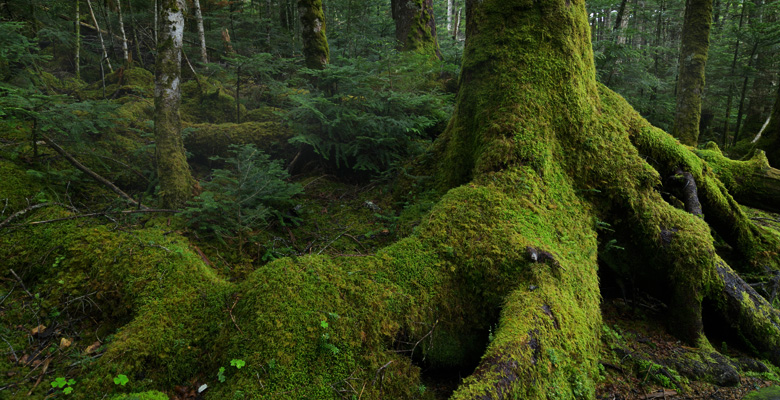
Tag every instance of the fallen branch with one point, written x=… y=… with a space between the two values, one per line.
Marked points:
x=102 y=214
x=91 y=173
x=28 y=209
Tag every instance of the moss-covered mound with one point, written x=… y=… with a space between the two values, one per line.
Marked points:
x=125 y=81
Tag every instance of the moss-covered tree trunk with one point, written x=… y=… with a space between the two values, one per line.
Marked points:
x=415 y=26
x=315 y=41
x=172 y=169
x=693 y=59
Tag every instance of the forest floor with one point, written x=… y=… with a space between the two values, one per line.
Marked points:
x=344 y=219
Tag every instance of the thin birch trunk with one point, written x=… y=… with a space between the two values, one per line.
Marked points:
x=449 y=16
x=100 y=35
x=204 y=55
x=125 y=51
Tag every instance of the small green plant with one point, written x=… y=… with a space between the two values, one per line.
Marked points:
x=121 y=379
x=65 y=384
x=243 y=197
x=325 y=337
x=236 y=362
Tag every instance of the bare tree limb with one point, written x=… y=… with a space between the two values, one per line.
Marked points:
x=91 y=173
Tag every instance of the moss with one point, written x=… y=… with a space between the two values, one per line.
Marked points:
x=416 y=28
x=169 y=302
x=208 y=102
x=206 y=140
x=150 y=395
x=17 y=187
x=132 y=81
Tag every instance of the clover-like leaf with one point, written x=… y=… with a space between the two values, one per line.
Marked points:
x=237 y=363
x=121 y=379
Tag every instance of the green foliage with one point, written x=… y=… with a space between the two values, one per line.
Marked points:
x=65 y=384
x=369 y=115
x=238 y=363
x=243 y=197
x=121 y=379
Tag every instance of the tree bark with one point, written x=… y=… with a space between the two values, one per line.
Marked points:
x=172 y=169
x=415 y=26
x=725 y=138
x=693 y=59
x=77 y=57
x=204 y=55
x=770 y=138
x=125 y=49
x=315 y=41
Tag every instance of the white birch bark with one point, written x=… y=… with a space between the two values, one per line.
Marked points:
x=449 y=16
x=125 y=51
x=201 y=32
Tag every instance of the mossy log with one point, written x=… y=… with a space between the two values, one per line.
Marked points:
x=208 y=140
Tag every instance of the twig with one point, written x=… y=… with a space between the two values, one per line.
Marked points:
x=28 y=209
x=21 y=283
x=356 y=241
x=38 y=382
x=8 y=295
x=232 y=317
x=106 y=213
x=91 y=173
x=12 y=349
x=331 y=242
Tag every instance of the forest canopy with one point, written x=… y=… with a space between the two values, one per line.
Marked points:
x=352 y=199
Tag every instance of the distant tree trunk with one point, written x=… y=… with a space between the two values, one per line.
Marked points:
x=770 y=137
x=77 y=57
x=741 y=108
x=100 y=36
x=693 y=59
x=725 y=137
x=172 y=168
x=204 y=55
x=415 y=26
x=315 y=41
x=125 y=50
x=450 y=10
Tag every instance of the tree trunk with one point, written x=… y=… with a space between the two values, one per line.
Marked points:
x=450 y=12
x=100 y=36
x=693 y=59
x=725 y=137
x=125 y=49
x=770 y=138
x=77 y=57
x=415 y=26
x=204 y=55
x=315 y=41
x=743 y=93
x=172 y=169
